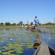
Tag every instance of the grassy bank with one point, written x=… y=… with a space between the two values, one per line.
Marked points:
x=8 y=27
x=47 y=26
x=18 y=26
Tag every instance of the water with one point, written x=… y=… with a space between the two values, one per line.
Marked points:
x=49 y=37
x=17 y=42
x=20 y=41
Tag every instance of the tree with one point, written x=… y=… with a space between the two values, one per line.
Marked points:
x=7 y=24
x=1 y=23
x=14 y=24
x=18 y=24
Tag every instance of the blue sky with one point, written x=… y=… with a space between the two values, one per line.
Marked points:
x=25 y=10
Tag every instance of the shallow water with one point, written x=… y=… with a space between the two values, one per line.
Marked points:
x=16 y=41
x=49 y=38
x=20 y=41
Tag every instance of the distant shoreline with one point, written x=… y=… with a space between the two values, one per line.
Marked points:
x=19 y=26
x=9 y=27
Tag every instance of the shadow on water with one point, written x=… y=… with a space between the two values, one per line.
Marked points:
x=52 y=52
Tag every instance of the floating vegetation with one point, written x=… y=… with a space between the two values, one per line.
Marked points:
x=11 y=49
x=1 y=38
x=15 y=41
x=30 y=45
x=12 y=35
x=1 y=33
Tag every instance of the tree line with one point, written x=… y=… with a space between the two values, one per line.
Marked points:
x=9 y=24
x=21 y=23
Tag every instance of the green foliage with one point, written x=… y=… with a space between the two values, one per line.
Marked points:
x=1 y=24
x=1 y=38
x=13 y=24
x=11 y=48
x=12 y=35
x=1 y=33
x=18 y=24
x=7 y=24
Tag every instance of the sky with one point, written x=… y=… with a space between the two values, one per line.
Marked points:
x=26 y=10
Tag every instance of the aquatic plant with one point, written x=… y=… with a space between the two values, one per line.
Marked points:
x=15 y=46
x=30 y=45
x=12 y=35
x=1 y=33
x=11 y=49
x=1 y=39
